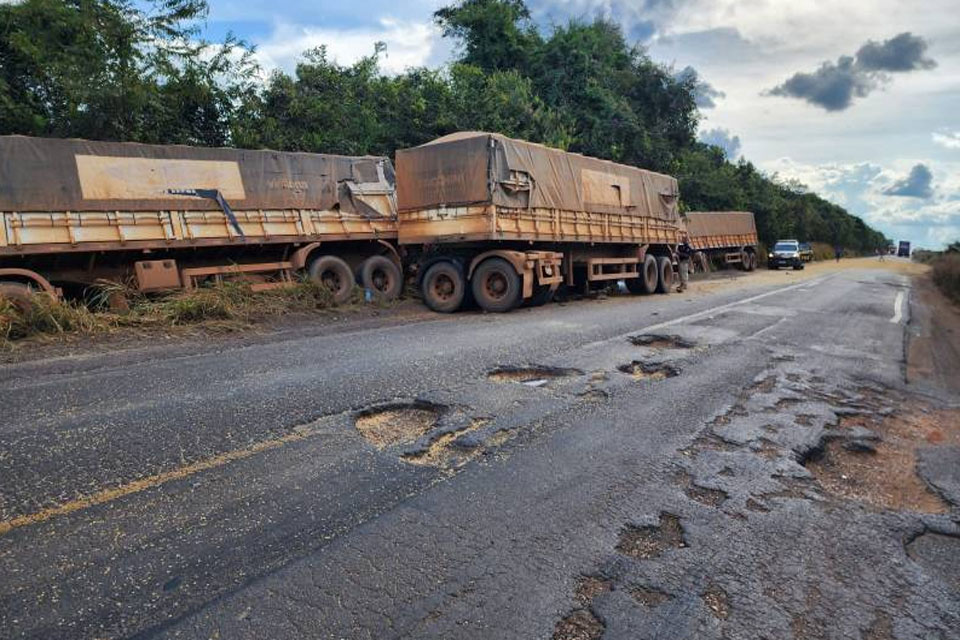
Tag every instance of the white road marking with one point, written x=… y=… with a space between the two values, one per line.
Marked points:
x=897 y=308
x=703 y=314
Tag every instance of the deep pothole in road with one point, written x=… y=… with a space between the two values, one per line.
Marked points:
x=649 y=596
x=717 y=601
x=661 y=341
x=449 y=450
x=398 y=423
x=581 y=624
x=640 y=370
x=873 y=459
x=650 y=541
x=530 y=376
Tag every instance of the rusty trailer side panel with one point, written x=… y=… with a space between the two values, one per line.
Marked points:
x=476 y=186
x=731 y=230
x=75 y=195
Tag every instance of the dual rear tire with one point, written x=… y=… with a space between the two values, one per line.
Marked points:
x=379 y=274
x=495 y=285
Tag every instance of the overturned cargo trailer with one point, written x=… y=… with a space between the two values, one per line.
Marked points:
x=730 y=236
x=73 y=212
x=507 y=221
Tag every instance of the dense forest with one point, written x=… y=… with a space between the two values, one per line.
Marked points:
x=113 y=70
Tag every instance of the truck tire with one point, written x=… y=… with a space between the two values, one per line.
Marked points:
x=541 y=296
x=647 y=282
x=17 y=294
x=753 y=261
x=382 y=276
x=496 y=286
x=334 y=274
x=443 y=287
x=664 y=274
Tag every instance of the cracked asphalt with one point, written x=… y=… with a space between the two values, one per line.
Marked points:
x=549 y=473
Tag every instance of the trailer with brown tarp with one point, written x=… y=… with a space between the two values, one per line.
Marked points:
x=730 y=236
x=75 y=211
x=512 y=220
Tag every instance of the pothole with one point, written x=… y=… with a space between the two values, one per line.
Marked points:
x=649 y=596
x=882 y=471
x=650 y=541
x=579 y=625
x=659 y=341
x=396 y=424
x=447 y=450
x=649 y=370
x=529 y=376
x=706 y=495
x=717 y=601
x=589 y=587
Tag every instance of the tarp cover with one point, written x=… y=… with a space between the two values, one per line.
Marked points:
x=41 y=174
x=488 y=168
x=720 y=223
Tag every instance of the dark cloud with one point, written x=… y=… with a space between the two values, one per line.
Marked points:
x=919 y=184
x=722 y=138
x=835 y=84
x=904 y=52
x=704 y=93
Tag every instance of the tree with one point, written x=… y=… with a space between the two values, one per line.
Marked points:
x=111 y=70
x=495 y=34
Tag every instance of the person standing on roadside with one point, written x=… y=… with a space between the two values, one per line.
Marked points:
x=684 y=253
x=838 y=251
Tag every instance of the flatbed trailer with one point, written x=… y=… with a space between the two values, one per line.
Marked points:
x=731 y=235
x=74 y=212
x=507 y=221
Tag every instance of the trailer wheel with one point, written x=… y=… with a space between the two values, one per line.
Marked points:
x=443 y=287
x=647 y=282
x=334 y=274
x=664 y=274
x=496 y=286
x=17 y=294
x=542 y=294
x=382 y=276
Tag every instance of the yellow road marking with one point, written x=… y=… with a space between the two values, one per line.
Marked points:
x=108 y=495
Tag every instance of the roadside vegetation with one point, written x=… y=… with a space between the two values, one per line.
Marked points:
x=117 y=70
x=945 y=268
x=224 y=307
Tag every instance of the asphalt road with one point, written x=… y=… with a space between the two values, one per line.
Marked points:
x=378 y=482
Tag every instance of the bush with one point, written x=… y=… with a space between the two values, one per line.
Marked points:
x=946 y=274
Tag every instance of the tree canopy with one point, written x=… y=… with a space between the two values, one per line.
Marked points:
x=123 y=70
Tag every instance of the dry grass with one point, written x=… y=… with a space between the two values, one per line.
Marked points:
x=227 y=306
x=946 y=275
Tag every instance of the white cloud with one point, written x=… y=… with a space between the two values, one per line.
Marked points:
x=409 y=44
x=948 y=139
x=860 y=188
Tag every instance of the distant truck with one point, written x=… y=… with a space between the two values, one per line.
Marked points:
x=732 y=235
x=73 y=212
x=903 y=250
x=505 y=221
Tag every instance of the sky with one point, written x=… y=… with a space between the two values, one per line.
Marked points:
x=859 y=100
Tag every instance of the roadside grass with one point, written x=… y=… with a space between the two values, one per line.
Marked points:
x=822 y=251
x=108 y=306
x=946 y=274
